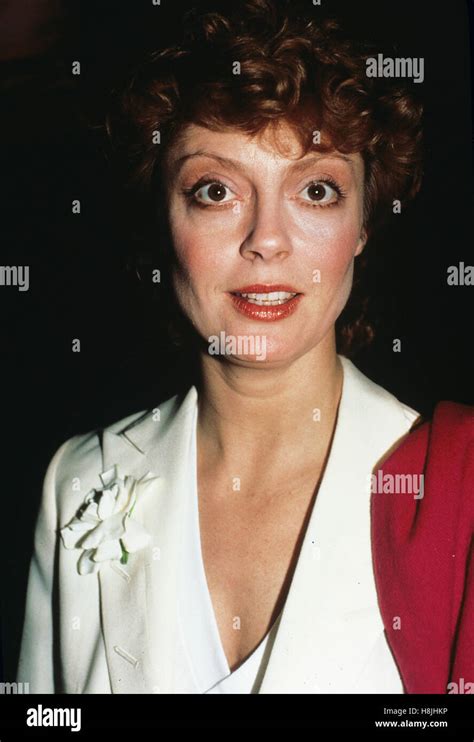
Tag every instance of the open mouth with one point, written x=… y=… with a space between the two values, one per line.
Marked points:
x=270 y=299
x=266 y=303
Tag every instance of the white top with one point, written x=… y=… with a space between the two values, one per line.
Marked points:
x=148 y=626
x=198 y=629
x=201 y=661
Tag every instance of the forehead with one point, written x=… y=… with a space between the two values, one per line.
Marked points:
x=277 y=147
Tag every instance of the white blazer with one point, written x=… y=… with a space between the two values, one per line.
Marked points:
x=114 y=631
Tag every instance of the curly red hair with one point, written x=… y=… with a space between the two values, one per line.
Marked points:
x=292 y=68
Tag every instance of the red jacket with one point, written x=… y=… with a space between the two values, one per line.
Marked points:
x=423 y=552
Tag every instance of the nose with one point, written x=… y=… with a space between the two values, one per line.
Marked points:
x=266 y=238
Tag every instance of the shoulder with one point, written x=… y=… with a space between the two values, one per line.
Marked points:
x=376 y=402
x=452 y=419
x=76 y=466
x=446 y=439
x=441 y=452
x=82 y=452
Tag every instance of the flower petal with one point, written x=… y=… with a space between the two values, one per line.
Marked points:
x=85 y=565
x=107 y=550
x=90 y=512
x=102 y=525
x=73 y=532
x=135 y=536
x=106 y=504
x=112 y=528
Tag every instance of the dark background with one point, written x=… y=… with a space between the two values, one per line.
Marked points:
x=83 y=282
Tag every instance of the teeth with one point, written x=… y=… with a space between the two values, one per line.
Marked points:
x=272 y=298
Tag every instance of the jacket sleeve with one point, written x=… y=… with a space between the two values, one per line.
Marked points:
x=36 y=658
x=462 y=674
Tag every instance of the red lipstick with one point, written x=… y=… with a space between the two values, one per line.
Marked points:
x=266 y=302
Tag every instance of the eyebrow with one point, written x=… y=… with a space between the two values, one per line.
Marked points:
x=298 y=166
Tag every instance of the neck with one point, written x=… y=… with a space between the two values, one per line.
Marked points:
x=280 y=413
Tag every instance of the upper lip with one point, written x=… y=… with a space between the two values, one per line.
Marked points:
x=265 y=288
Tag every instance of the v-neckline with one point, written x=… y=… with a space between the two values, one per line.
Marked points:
x=203 y=577
x=196 y=515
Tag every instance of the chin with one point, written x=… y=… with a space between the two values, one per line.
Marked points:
x=252 y=348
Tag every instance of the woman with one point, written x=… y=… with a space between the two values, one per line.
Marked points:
x=221 y=543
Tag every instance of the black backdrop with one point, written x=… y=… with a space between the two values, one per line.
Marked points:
x=82 y=282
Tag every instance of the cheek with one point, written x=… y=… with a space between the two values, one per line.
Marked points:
x=337 y=267
x=196 y=275
x=329 y=247
x=196 y=248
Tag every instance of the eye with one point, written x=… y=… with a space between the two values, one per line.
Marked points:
x=210 y=192
x=323 y=193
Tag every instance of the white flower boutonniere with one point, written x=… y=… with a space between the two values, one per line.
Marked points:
x=103 y=526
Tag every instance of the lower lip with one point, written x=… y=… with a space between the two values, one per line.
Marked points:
x=265 y=313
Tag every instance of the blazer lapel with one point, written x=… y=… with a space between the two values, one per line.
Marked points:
x=331 y=623
x=138 y=600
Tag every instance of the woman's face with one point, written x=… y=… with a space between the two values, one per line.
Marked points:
x=264 y=244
